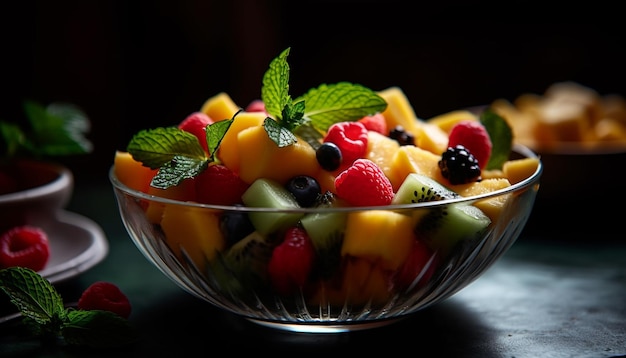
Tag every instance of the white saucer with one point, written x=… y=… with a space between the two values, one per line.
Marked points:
x=76 y=245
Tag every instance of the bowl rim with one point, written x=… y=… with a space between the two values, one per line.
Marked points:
x=63 y=179
x=519 y=186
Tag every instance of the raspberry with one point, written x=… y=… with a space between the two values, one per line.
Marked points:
x=105 y=296
x=196 y=124
x=419 y=266
x=376 y=123
x=291 y=262
x=351 y=138
x=473 y=136
x=256 y=105
x=459 y=166
x=364 y=184
x=218 y=185
x=24 y=246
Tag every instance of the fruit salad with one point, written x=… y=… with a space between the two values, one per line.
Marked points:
x=333 y=164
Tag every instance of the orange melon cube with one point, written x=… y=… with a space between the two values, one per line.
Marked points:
x=131 y=172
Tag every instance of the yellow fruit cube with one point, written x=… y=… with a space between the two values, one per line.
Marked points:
x=381 y=150
x=492 y=207
x=517 y=170
x=380 y=236
x=220 y=107
x=195 y=231
x=410 y=159
x=228 y=151
x=399 y=111
x=447 y=120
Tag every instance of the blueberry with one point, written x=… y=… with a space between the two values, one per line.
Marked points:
x=329 y=156
x=305 y=189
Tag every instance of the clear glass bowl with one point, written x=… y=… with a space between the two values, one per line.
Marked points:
x=360 y=299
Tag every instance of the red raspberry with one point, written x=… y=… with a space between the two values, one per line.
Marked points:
x=420 y=265
x=24 y=246
x=196 y=124
x=474 y=137
x=364 y=184
x=256 y=105
x=291 y=262
x=351 y=138
x=218 y=185
x=376 y=123
x=105 y=296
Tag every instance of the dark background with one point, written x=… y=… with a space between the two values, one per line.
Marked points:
x=141 y=64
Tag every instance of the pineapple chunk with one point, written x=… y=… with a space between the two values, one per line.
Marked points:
x=447 y=120
x=399 y=111
x=491 y=207
x=220 y=107
x=517 y=170
x=410 y=159
x=379 y=236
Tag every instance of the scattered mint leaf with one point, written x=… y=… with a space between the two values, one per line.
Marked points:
x=501 y=138
x=32 y=294
x=44 y=313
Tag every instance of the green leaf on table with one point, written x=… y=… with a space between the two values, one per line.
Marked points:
x=33 y=295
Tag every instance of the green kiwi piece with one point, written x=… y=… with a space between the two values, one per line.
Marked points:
x=418 y=188
x=242 y=268
x=444 y=226
x=268 y=193
x=326 y=230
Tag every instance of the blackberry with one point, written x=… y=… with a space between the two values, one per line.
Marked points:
x=459 y=166
x=402 y=136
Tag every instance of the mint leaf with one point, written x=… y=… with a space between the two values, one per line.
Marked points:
x=178 y=169
x=215 y=133
x=343 y=101
x=58 y=129
x=501 y=138
x=280 y=135
x=14 y=138
x=33 y=295
x=97 y=329
x=275 y=90
x=158 y=147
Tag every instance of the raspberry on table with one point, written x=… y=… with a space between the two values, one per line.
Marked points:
x=106 y=296
x=364 y=184
x=24 y=246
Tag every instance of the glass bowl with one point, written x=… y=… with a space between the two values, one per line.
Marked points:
x=355 y=286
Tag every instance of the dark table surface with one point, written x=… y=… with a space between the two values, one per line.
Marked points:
x=553 y=294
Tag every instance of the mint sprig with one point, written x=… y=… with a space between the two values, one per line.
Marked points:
x=319 y=108
x=42 y=307
x=56 y=130
x=178 y=154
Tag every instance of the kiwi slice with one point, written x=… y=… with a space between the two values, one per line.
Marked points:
x=242 y=269
x=445 y=226
x=326 y=230
x=268 y=193
x=418 y=188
